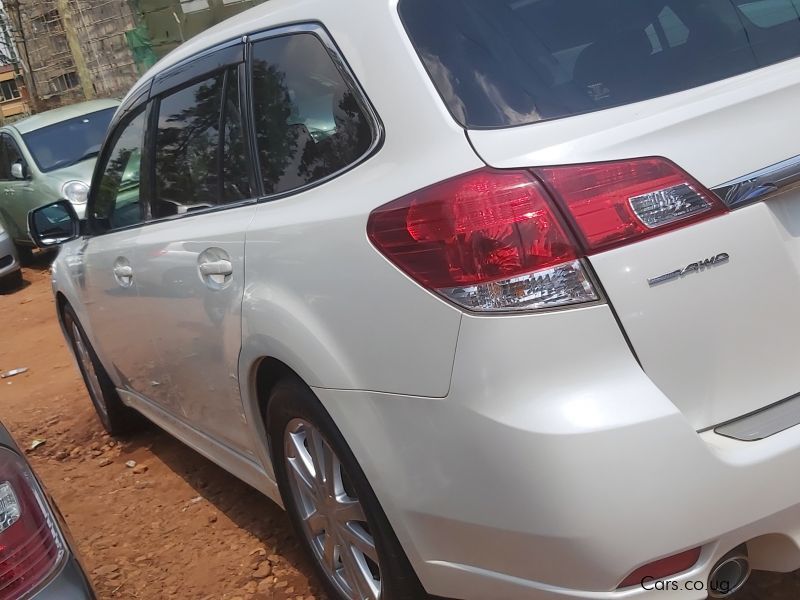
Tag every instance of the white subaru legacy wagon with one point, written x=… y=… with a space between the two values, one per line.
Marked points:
x=500 y=300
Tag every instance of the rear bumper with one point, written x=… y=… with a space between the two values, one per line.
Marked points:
x=555 y=467
x=9 y=262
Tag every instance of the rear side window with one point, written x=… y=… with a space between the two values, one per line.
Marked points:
x=309 y=123
x=200 y=159
x=499 y=63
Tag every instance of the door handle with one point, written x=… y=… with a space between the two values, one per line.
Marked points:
x=124 y=275
x=216 y=267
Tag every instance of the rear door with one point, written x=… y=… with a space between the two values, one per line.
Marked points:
x=191 y=279
x=710 y=304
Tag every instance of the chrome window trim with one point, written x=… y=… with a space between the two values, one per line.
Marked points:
x=762 y=184
x=376 y=125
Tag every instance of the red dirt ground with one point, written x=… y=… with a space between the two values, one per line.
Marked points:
x=184 y=528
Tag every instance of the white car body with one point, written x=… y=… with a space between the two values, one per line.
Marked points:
x=531 y=455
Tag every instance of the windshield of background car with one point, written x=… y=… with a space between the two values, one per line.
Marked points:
x=499 y=63
x=68 y=142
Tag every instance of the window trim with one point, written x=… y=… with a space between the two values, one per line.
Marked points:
x=376 y=125
x=183 y=74
x=198 y=67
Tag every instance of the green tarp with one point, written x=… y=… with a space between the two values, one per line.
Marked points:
x=141 y=48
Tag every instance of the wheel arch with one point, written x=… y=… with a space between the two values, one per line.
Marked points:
x=260 y=377
x=268 y=372
x=61 y=303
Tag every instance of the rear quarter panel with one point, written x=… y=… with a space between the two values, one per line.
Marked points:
x=318 y=296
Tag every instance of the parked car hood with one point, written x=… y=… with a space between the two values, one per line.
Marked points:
x=81 y=171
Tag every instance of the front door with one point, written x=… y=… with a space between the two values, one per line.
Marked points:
x=191 y=278
x=105 y=270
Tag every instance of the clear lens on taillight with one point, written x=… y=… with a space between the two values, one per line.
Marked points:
x=488 y=240
x=30 y=544
x=561 y=285
x=618 y=203
x=9 y=506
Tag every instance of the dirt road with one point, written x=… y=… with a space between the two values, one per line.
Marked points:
x=175 y=525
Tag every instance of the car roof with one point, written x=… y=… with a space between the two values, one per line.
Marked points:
x=56 y=115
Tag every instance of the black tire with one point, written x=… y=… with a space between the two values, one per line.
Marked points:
x=116 y=418
x=25 y=254
x=291 y=399
x=11 y=282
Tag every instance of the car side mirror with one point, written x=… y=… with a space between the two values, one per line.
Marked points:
x=53 y=224
x=18 y=171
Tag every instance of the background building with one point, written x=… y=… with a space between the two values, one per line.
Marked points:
x=65 y=51
x=12 y=103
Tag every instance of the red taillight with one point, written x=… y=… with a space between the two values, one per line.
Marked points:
x=480 y=240
x=495 y=240
x=472 y=229
x=617 y=203
x=664 y=567
x=30 y=545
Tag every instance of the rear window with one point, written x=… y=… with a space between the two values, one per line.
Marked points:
x=499 y=63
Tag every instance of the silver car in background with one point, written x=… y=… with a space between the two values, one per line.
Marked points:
x=10 y=272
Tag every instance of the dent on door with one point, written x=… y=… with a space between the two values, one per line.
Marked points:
x=192 y=289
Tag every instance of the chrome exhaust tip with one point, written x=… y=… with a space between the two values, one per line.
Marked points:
x=730 y=574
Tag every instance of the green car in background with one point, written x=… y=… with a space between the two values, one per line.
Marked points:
x=47 y=157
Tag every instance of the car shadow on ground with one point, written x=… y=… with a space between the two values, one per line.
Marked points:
x=10 y=288
x=245 y=506
x=38 y=264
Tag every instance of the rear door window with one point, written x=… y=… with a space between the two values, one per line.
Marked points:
x=200 y=155
x=499 y=63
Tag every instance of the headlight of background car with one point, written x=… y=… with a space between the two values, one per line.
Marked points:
x=2 y=229
x=75 y=191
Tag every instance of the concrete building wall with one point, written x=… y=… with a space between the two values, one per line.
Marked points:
x=101 y=27
x=79 y=49
x=41 y=39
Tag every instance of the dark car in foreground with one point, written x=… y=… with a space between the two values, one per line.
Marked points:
x=36 y=556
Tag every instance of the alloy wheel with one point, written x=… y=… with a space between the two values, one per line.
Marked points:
x=333 y=519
